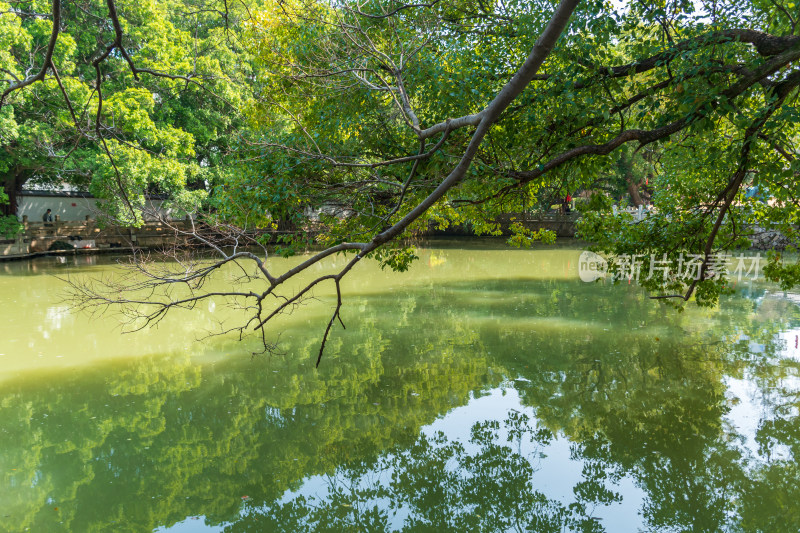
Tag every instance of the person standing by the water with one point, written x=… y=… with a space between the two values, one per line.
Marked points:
x=48 y=216
x=565 y=205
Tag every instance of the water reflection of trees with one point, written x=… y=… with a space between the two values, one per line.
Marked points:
x=641 y=392
x=136 y=445
x=440 y=485
x=651 y=403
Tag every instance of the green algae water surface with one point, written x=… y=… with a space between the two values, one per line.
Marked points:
x=487 y=389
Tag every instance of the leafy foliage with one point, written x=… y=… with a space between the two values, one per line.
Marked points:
x=9 y=226
x=134 y=134
x=677 y=102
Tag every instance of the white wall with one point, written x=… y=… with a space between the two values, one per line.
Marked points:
x=70 y=209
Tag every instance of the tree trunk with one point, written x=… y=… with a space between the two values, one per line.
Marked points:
x=633 y=190
x=11 y=186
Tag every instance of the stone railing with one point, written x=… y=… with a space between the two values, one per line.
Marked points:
x=40 y=236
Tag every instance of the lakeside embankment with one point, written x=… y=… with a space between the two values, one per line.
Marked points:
x=90 y=237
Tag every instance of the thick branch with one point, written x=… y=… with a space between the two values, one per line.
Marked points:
x=766 y=45
x=489 y=116
x=645 y=137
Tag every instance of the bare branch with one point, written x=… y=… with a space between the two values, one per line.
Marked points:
x=393 y=12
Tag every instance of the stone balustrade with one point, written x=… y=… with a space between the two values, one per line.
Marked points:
x=37 y=236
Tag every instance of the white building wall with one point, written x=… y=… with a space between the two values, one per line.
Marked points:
x=68 y=208
x=71 y=208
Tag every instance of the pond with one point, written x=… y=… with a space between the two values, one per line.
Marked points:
x=487 y=389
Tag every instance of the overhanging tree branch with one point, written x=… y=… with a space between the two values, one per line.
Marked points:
x=489 y=116
x=359 y=54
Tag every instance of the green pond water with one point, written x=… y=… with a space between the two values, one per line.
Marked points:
x=487 y=389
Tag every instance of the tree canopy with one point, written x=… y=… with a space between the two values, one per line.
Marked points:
x=120 y=100
x=377 y=119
